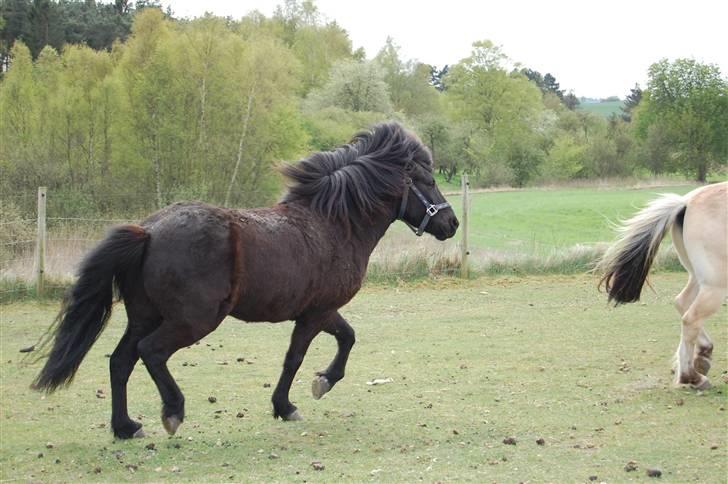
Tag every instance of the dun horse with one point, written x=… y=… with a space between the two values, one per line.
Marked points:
x=185 y=268
x=699 y=222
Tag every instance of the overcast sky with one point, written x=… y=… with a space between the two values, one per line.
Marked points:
x=595 y=48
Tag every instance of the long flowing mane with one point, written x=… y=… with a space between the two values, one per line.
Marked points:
x=357 y=180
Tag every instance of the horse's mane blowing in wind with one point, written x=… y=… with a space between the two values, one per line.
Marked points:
x=358 y=179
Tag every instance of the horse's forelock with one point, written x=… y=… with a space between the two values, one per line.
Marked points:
x=358 y=179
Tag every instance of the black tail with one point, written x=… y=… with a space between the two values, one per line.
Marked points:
x=87 y=306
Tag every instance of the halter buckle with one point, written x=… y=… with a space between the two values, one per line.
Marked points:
x=432 y=210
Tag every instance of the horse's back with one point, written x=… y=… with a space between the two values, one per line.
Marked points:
x=705 y=234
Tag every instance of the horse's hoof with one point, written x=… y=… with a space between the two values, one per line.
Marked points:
x=702 y=365
x=703 y=385
x=171 y=424
x=320 y=386
x=139 y=434
x=292 y=417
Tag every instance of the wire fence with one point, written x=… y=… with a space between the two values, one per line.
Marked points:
x=25 y=258
x=481 y=247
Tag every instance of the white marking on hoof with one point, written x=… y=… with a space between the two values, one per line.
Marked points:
x=293 y=416
x=320 y=386
x=139 y=434
x=171 y=424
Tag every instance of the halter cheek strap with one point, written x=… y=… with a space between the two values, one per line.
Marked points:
x=430 y=208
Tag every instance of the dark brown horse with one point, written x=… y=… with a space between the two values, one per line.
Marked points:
x=188 y=266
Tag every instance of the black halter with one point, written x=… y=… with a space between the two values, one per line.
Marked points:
x=430 y=208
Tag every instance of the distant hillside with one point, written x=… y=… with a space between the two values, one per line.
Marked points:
x=602 y=107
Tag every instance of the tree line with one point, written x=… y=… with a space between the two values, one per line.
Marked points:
x=157 y=109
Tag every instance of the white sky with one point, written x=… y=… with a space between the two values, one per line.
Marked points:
x=595 y=48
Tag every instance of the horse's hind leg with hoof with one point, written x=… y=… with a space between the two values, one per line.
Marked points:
x=157 y=348
x=693 y=354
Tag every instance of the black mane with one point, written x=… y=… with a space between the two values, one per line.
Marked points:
x=358 y=179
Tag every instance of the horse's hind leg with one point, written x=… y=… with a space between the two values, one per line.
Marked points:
x=156 y=349
x=121 y=365
x=345 y=338
x=142 y=321
x=682 y=303
x=706 y=303
x=304 y=332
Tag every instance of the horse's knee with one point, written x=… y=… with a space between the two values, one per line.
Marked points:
x=680 y=304
x=348 y=336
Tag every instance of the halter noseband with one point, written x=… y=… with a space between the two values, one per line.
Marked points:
x=430 y=208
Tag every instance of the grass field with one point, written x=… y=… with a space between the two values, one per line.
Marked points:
x=472 y=363
x=605 y=108
x=559 y=230
x=534 y=221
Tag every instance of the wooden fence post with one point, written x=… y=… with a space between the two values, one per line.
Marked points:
x=464 y=252
x=41 y=243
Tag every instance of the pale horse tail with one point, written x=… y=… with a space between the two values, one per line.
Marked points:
x=627 y=262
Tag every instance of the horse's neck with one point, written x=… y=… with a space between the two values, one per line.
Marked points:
x=370 y=234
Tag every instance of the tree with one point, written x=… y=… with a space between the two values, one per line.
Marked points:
x=45 y=22
x=353 y=86
x=631 y=102
x=689 y=101
x=547 y=83
x=571 y=101
x=408 y=83
x=437 y=77
x=435 y=133
x=505 y=107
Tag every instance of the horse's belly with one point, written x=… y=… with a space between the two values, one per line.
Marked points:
x=277 y=306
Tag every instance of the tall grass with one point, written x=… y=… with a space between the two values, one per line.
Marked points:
x=401 y=258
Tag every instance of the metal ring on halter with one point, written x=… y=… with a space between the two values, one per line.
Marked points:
x=430 y=208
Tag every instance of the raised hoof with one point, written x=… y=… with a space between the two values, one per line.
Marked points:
x=139 y=434
x=320 y=387
x=292 y=417
x=702 y=365
x=171 y=424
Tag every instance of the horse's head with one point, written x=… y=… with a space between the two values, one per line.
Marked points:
x=423 y=207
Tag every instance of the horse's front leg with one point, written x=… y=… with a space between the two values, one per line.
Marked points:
x=304 y=332
x=345 y=338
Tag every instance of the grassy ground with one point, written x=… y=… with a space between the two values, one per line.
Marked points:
x=471 y=362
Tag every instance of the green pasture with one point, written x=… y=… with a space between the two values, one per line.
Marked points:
x=541 y=221
x=472 y=363
x=537 y=221
x=605 y=108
